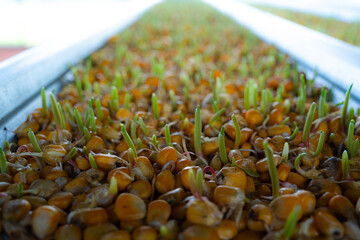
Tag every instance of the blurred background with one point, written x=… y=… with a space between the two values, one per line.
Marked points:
x=27 y=23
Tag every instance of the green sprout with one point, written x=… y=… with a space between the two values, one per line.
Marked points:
x=155 y=106
x=44 y=109
x=350 y=116
x=250 y=95
x=99 y=111
x=87 y=134
x=222 y=147
x=114 y=99
x=285 y=152
x=291 y=222
x=92 y=120
x=139 y=143
x=127 y=101
x=78 y=84
x=154 y=141
x=216 y=116
x=308 y=122
x=34 y=141
x=355 y=148
x=84 y=150
x=280 y=93
x=55 y=111
x=237 y=132
x=322 y=102
x=350 y=136
x=118 y=81
x=62 y=117
x=111 y=122
x=346 y=103
x=214 y=105
x=249 y=172
x=265 y=102
x=287 y=106
x=69 y=111
x=128 y=140
x=331 y=137
x=297 y=162
x=345 y=164
x=78 y=119
x=19 y=190
x=320 y=144
x=133 y=128
x=301 y=97
x=167 y=135
x=294 y=134
x=217 y=92
x=173 y=100
x=196 y=182
x=70 y=154
x=113 y=188
x=92 y=161
x=143 y=127
x=272 y=170
x=197 y=131
x=97 y=90
x=3 y=162
x=164 y=232
x=286 y=120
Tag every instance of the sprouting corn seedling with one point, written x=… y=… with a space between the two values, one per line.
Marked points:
x=265 y=102
x=158 y=69
x=197 y=131
x=87 y=134
x=78 y=119
x=355 y=148
x=249 y=172
x=345 y=164
x=291 y=222
x=84 y=150
x=167 y=135
x=99 y=111
x=322 y=101
x=296 y=77
x=139 y=143
x=44 y=109
x=55 y=111
x=237 y=132
x=196 y=182
x=78 y=84
x=297 y=162
x=127 y=101
x=346 y=103
x=350 y=116
x=301 y=101
x=92 y=161
x=287 y=106
x=164 y=232
x=222 y=147
x=294 y=134
x=133 y=128
x=216 y=116
x=217 y=92
x=272 y=170
x=70 y=154
x=97 y=90
x=128 y=140
x=308 y=122
x=286 y=120
x=143 y=127
x=113 y=188
x=114 y=99
x=92 y=120
x=173 y=100
x=69 y=111
x=119 y=81
x=62 y=117
x=350 y=136
x=250 y=96
x=154 y=141
x=331 y=138
x=111 y=122
x=285 y=152
x=280 y=93
x=34 y=141
x=19 y=190
x=320 y=144
x=3 y=162
x=155 y=106
x=214 y=105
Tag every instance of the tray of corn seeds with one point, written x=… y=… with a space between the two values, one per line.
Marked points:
x=184 y=126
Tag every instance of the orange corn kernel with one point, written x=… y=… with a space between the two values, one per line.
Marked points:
x=53 y=154
x=130 y=207
x=342 y=206
x=246 y=146
x=158 y=212
x=259 y=215
x=15 y=210
x=95 y=144
x=165 y=155
x=144 y=233
x=122 y=176
x=174 y=197
x=88 y=216
x=209 y=147
x=283 y=206
x=328 y=225
x=94 y=232
x=275 y=117
x=200 y=232
x=122 y=114
x=29 y=175
x=141 y=188
x=117 y=235
x=45 y=221
x=308 y=201
x=82 y=163
x=233 y=177
x=68 y=232
x=297 y=179
x=283 y=171
x=253 y=117
x=203 y=212
x=76 y=186
x=61 y=200
x=106 y=162
x=182 y=163
x=282 y=130
x=226 y=229
x=145 y=166
x=184 y=176
x=164 y=181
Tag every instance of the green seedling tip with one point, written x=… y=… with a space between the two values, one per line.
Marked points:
x=222 y=147
x=346 y=103
x=155 y=106
x=34 y=141
x=291 y=222
x=139 y=143
x=128 y=140
x=143 y=127
x=272 y=170
x=167 y=135
x=87 y=134
x=294 y=134
x=285 y=152
x=127 y=101
x=19 y=190
x=350 y=136
x=345 y=165
x=216 y=116
x=99 y=111
x=197 y=131
x=355 y=148
x=173 y=100
x=113 y=188
x=44 y=109
x=164 y=231
x=114 y=99
x=237 y=131
x=70 y=154
x=92 y=120
x=62 y=117
x=3 y=162
x=55 y=110
x=249 y=172
x=320 y=144
x=154 y=141
x=322 y=101
x=133 y=127
x=308 y=122
x=78 y=119
x=92 y=161
x=297 y=161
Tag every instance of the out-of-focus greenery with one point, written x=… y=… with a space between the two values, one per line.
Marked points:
x=348 y=32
